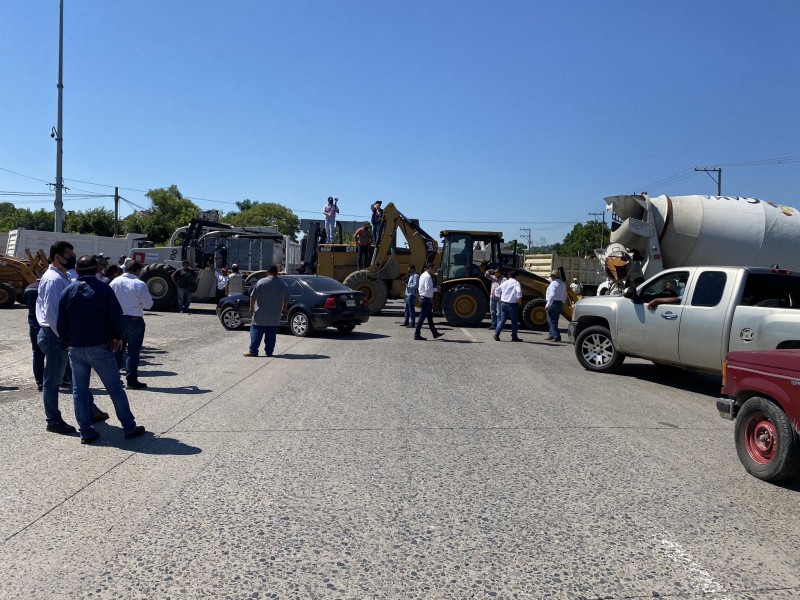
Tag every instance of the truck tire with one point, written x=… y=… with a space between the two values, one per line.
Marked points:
x=534 y=315
x=158 y=278
x=8 y=295
x=464 y=306
x=595 y=350
x=375 y=289
x=766 y=442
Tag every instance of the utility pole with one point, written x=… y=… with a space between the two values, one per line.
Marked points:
x=528 y=230
x=116 y=211
x=58 y=226
x=718 y=180
x=603 y=230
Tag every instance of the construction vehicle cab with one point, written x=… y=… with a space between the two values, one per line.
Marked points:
x=18 y=273
x=464 y=289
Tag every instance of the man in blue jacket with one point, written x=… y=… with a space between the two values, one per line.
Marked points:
x=90 y=324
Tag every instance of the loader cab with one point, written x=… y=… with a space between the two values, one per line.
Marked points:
x=471 y=253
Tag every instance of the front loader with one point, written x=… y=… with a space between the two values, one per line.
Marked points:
x=18 y=273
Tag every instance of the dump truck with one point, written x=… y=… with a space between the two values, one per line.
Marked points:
x=253 y=249
x=586 y=269
x=18 y=273
x=20 y=239
x=463 y=260
x=652 y=234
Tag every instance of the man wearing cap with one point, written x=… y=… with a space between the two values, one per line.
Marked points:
x=377 y=221
x=363 y=239
x=330 y=210
x=576 y=287
x=556 y=294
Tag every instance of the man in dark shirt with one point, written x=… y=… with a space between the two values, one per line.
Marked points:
x=90 y=323
x=185 y=278
x=29 y=296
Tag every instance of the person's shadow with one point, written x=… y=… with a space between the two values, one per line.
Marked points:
x=148 y=443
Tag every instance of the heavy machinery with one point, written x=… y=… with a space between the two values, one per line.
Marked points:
x=652 y=234
x=465 y=256
x=17 y=273
x=252 y=248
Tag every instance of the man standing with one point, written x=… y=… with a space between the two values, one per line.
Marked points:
x=363 y=238
x=90 y=323
x=576 y=287
x=185 y=278
x=134 y=297
x=269 y=299
x=377 y=221
x=412 y=283
x=54 y=281
x=510 y=297
x=330 y=210
x=426 y=291
x=556 y=294
x=235 y=284
x=496 y=277
x=29 y=296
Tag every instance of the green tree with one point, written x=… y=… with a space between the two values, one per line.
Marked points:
x=168 y=211
x=583 y=238
x=95 y=221
x=256 y=214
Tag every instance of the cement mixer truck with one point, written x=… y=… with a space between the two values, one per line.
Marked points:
x=652 y=234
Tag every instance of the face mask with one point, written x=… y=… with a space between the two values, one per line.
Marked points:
x=71 y=262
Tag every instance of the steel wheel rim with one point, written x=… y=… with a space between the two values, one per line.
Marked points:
x=465 y=306
x=157 y=287
x=231 y=319
x=597 y=349
x=539 y=315
x=299 y=323
x=761 y=438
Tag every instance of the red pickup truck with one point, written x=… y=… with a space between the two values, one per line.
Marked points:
x=761 y=392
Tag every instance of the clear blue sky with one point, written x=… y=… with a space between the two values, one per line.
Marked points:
x=485 y=115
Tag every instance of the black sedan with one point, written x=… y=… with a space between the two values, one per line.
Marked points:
x=314 y=303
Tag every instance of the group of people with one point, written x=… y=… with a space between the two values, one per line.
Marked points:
x=365 y=236
x=84 y=316
x=422 y=287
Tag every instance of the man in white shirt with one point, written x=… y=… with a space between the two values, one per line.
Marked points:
x=510 y=298
x=556 y=294
x=330 y=211
x=235 y=283
x=134 y=298
x=426 y=290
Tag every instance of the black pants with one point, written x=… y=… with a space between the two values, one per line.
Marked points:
x=425 y=312
x=363 y=257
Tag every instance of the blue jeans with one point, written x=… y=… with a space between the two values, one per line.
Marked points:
x=494 y=311
x=510 y=312
x=410 y=314
x=55 y=363
x=132 y=340
x=101 y=359
x=184 y=299
x=268 y=332
x=329 y=228
x=425 y=312
x=552 y=316
x=38 y=355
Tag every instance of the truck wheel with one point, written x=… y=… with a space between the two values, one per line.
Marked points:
x=766 y=442
x=464 y=306
x=158 y=278
x=595 y=350
x=8 y=295
x=375 y=289
x=300 y=324
x=230 y=319
x=534 y=315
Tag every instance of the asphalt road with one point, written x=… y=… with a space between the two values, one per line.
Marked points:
x=374 y=466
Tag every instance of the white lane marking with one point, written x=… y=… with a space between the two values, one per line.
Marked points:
x=467 y=333
x=700 y=575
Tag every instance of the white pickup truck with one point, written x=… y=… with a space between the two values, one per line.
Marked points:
x=689 y=317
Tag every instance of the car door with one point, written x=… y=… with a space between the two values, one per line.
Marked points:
x=296 y=291
x=653 y=334
x=703 y=321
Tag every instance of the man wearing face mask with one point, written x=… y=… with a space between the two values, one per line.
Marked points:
x=134 y=297
x=54 y=281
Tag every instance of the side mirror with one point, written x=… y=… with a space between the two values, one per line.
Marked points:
x=629 y=293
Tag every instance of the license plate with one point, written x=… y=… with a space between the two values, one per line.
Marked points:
x=351 y=302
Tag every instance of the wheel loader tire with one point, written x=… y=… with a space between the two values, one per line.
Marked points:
x=464 y=306
x=8 y=295
x=375 y=289
x=158 y=278
x=534 y=315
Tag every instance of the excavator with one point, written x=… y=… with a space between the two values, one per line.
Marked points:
x=463 y=260
x=17 y=273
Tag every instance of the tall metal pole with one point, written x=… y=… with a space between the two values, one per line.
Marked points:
x=116 y=211
x=59 y=204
